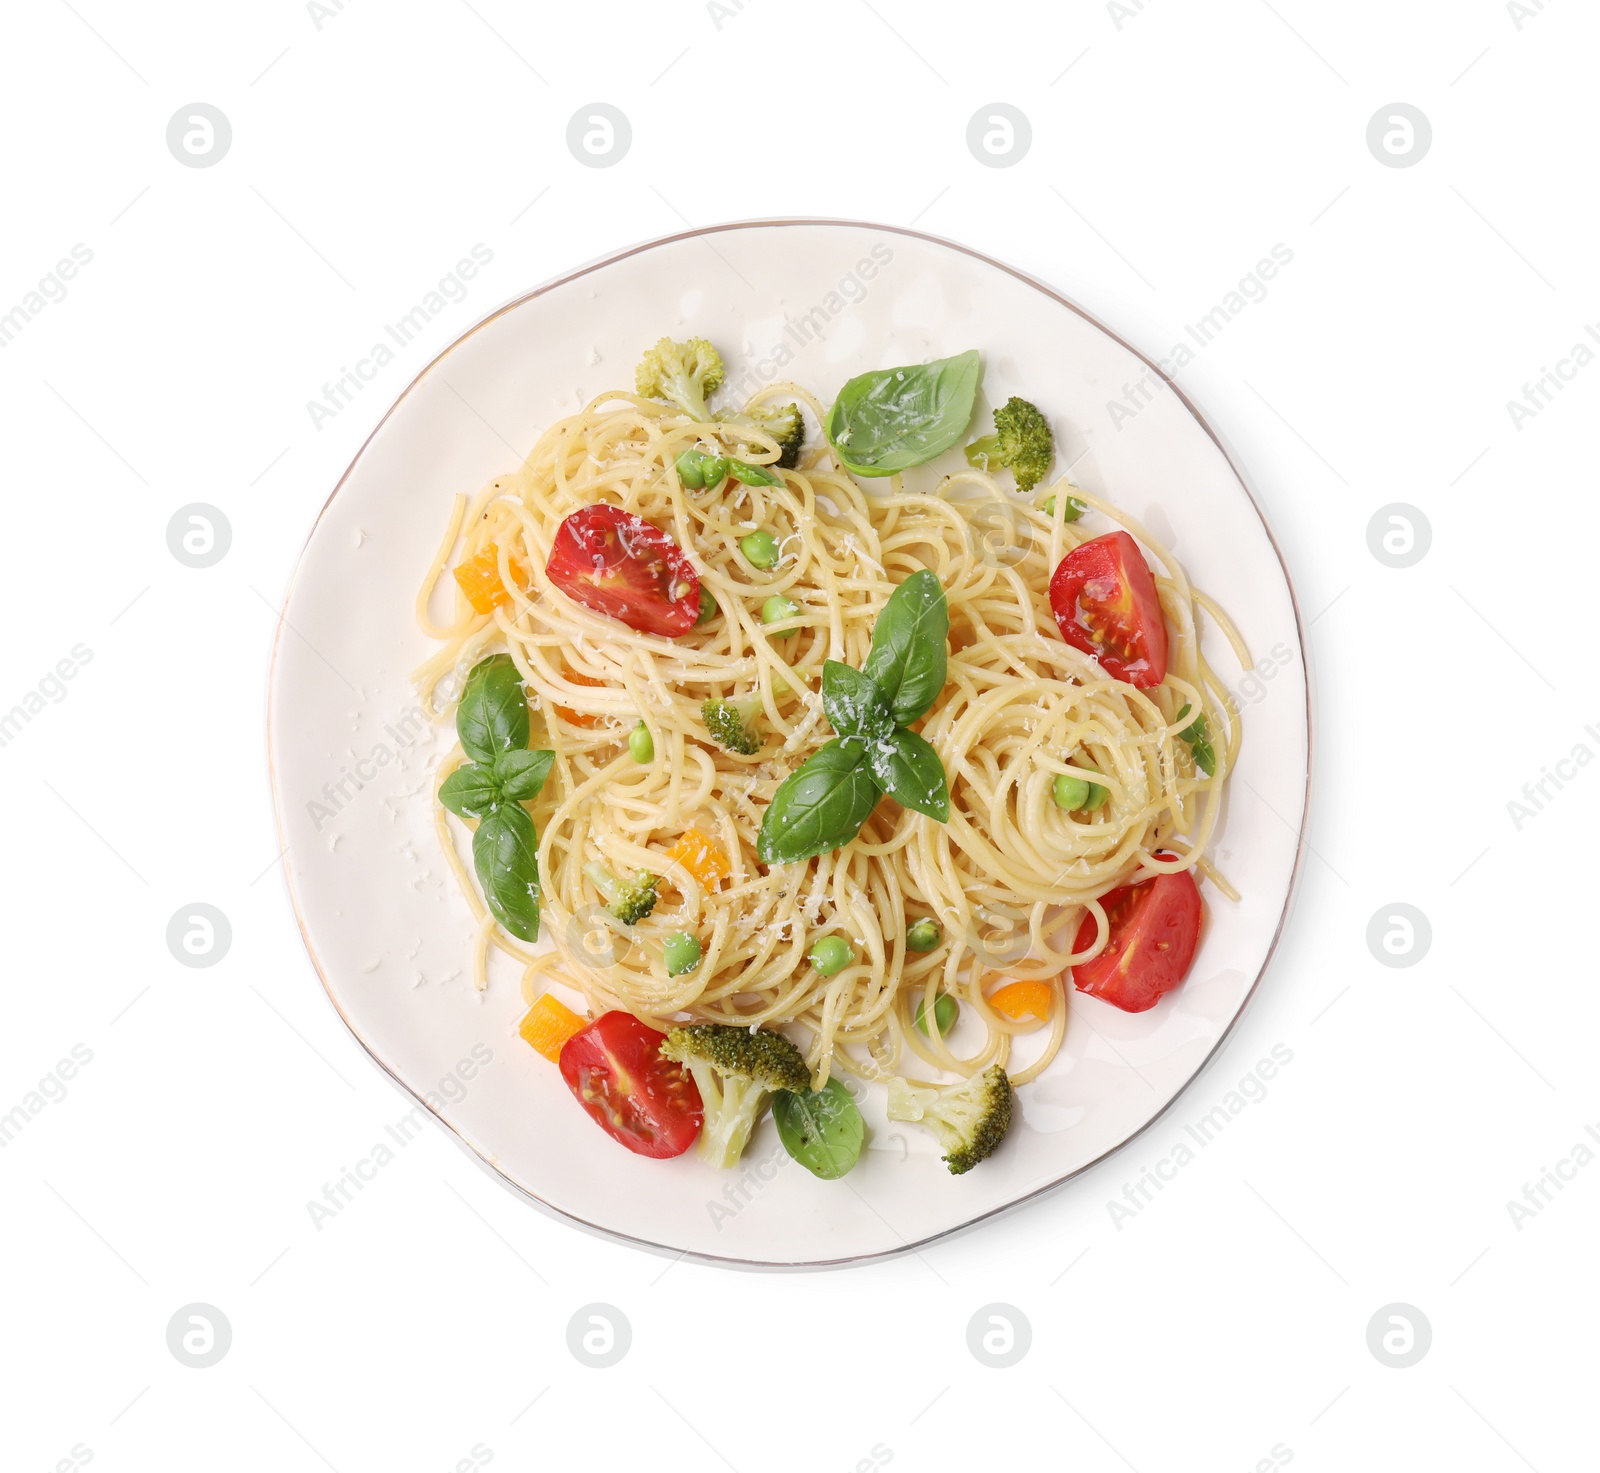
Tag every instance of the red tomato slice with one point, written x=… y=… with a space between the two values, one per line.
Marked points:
x=1155 y=927
x=1106 y=604
x=648 y=1103
x=618 y=564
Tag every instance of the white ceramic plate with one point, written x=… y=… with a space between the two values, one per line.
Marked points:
x=352 y=760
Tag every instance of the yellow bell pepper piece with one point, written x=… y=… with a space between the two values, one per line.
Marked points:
x=549 y=1024
x=702 y=857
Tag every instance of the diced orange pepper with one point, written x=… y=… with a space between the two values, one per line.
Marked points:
x=581 y=718
x=549 y=1024
x=479 y=578
x=702 y=857
x=1019 y=1000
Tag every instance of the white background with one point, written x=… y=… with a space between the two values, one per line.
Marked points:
x=1173 y=146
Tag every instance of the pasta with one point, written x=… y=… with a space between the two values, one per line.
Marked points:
x=1008 y=879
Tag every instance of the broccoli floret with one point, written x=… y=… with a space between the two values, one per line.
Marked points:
x=970 y=1118
x=783 y=422
x=687 y=374
x=736 y=1071
x=730 y=726
x=1022 y=441
x=630 y=901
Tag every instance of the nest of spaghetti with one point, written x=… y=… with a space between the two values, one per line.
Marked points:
x=1006 y=883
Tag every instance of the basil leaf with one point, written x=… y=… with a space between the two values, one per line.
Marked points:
x=855 y=705
x=909 y=653
x=493 y=714
x=521 y=774
x=820 y=806
x=821 y=1129
x=505 y=850
x=909 y=771
x=470 y=791
x=1199 y=740
x=894 y=418
x=752 y=475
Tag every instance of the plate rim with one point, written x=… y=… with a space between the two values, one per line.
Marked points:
x=481 y=1157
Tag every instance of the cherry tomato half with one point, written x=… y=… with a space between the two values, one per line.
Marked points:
x=1155 y=927
x=618 y=564
x=1106 y=604
x=648 y=1103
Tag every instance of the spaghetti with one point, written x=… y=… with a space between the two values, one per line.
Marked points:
x=1011 y=876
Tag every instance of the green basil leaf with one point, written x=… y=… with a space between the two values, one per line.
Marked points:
x=493 y=714
x=753 y=475
x=894 y=418
x=470 y=791
x=855 y=705
x=820 y=806
x=821 y=1129
x=909 y=771
x=521 y=774
x=505 y=850
x=1199 y=740
x=910 y=652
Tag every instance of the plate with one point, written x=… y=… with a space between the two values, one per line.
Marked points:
x=352 y=755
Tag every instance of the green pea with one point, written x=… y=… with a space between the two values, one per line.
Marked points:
x=1098 y=796
x=831 y=954
x=924 y=936
x=1069 y=513
x=691 y=470
x=697 y=470
x=708 y=608
x=945 y=1012
x=681 y=952
x=778 y=608
x=1071 y=792
x=760 y=549
x=690 y=475
x=641 y=745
